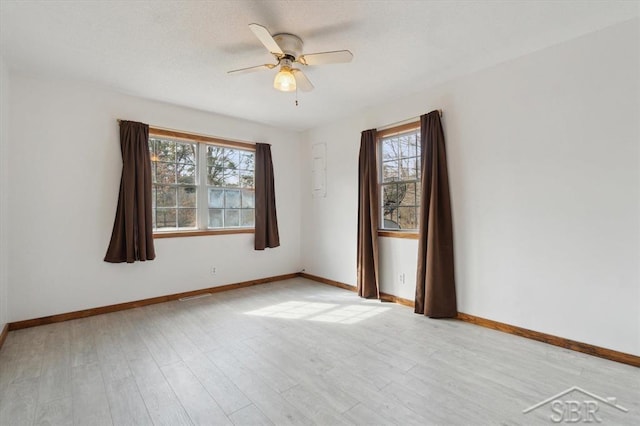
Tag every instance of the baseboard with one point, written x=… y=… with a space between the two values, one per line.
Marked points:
x=327 y=281
x=586 y=348
x=395 y=299
x=3 y=334
x=138 y=303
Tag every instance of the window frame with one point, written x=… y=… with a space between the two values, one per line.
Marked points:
x=380 y=135
x=201 y=179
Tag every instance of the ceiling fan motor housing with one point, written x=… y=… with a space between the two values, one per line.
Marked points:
x=290 y=44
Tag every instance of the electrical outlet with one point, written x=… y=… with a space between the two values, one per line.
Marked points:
x=401 y=278
x=214 y=270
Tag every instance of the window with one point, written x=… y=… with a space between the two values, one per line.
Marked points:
x=399 y=156
x=201 y=185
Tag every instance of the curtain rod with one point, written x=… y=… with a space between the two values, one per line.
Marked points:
x=401 y=122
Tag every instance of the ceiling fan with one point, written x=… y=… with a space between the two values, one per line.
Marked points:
x=287 y=50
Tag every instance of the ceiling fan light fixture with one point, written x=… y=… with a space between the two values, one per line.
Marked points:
x=285 y=80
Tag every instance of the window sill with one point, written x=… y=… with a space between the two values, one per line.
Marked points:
x=200 y=233
x=399 y=234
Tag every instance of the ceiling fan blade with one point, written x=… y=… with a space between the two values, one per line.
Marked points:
x=335 y=57
x=265 y=38
x=252 y=69
x=302 y=81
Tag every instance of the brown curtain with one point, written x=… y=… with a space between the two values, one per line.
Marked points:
x=266 y=220
x=132 y=236
x=435 y=285
x=368 y=208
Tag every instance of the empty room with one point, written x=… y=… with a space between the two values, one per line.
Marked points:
x=319 y=212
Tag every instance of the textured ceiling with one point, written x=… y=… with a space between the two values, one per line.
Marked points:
x=179 y=51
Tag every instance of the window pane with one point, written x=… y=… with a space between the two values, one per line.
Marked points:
x=214 y=155
x=246 y=178
x=231 y=217
x=393 y=194
x=232 y=158
x=248 y=199
x=165 y=173
x=215 y=218
x=153 y=197
x=247 y=160
x=407 y=218
x=232 y=198
x=411 y=147
x=186 y=173
x=186 y=153
x=390 y=171
x=214 y=176
x=408 y=169
x=418 y=194
x=187 y=196
x=216 y=198
x=409 y=198
x=390 y=220
x=165 y=151
x=389 y=150
x=231 y=178
x=165 y=196
x=187 y=218
x=165 y=218
x=248 y=217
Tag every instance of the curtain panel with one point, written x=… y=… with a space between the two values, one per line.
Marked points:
x=368 y=214
x=435 y=283
x=132 y=235
x=266 y=228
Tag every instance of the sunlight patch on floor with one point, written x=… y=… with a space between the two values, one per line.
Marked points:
x=322 y=312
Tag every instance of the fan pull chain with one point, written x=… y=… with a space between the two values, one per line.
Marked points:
x=296 y=95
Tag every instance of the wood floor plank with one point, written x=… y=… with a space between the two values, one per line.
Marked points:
x=90 y=404
x=83 y=350
x=224 y=392
x=250 y=416
x=314 y=406
x=150 y=333
x=270 y=372
x=389 y=410
x=125 y=331
x=161 y=402
x=58 y=412
x=267 y=399
x=185 y=318
x=200 y=406
x=18 y=402
x=55 y=377
x=26 y=348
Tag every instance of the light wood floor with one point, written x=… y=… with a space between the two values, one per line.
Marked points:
x=293 y=352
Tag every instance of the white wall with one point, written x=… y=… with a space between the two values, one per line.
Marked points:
x=543 y=156
x=65 y=175
x=4 y=191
